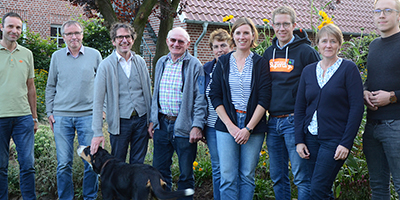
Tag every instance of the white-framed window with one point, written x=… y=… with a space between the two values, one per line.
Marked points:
x=55 y=33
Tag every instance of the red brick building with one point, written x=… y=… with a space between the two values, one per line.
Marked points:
x=42 y=16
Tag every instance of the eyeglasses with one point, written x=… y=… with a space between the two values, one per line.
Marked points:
x=173 y=40
x=121 y=37
x=222 y=46
x=386 y=11
x=284 y=25
x=73 y=33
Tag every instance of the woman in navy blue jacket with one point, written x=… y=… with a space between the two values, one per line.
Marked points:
x=240 y=93
x=220 y=44
x=328 y=112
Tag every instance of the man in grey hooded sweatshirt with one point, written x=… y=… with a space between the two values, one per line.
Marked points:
x=123 y=82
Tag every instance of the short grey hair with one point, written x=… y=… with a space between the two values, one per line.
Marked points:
x=69 y=23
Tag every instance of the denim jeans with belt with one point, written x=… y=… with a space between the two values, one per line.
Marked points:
x=133 y=131
x=382 y=151
x=20 y=129
x=64 y=134
x=238 y=163
x=165 y=143
x=281 y=148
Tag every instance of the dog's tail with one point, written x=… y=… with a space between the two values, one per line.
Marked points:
x=158 y=188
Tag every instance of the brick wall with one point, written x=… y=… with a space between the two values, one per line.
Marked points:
x=40 y=14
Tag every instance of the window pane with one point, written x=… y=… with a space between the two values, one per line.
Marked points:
x=53 y=31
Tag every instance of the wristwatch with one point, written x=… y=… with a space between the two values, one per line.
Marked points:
x=393 y=98
x=249 y=130
x=35 y=120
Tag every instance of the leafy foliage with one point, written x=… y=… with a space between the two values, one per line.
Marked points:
x=356 y=49
x=260 y=49
x=42 y=49
x=97 y=36
x=40 y=83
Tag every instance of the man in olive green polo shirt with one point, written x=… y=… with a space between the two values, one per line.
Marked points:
x=18 y=117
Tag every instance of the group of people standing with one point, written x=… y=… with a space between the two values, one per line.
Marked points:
x=314 y=99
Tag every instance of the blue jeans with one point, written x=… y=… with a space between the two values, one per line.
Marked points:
x=64 y=134
x=324 y=167
x=165 y=143
x=133 y=131
x=20 y=129
x=281 y=148
x=382 y=151
x=238 y=163
x=212 y=146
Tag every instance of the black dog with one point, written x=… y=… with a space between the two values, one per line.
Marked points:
x=128 y=181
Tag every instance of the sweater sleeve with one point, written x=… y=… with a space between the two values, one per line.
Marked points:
x=51 y=85
x=300 y=109
x=354 y=89
x=98 y=100
x=216 y=94
x=200 y=103
x=264 y=90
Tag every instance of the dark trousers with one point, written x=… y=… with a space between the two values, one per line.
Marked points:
x=133 y=131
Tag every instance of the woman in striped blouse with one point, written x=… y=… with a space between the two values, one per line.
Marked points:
x=240 y=93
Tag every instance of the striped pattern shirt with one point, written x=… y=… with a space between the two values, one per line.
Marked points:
x=240 y=82
x=170 y=94
x=322 y=80
x=212 y=114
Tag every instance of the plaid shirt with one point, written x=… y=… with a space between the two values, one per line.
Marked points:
x=170 y=94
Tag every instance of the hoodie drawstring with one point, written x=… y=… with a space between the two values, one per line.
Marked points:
x=286 y=56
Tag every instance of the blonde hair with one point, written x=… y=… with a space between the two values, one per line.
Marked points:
x=284 y=10
x=330 y=29
x=220 y=35
x=396 y=1
x=246 y=21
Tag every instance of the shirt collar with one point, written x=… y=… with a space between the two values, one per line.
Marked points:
x=277 y=43
x=16 y=47
x=180 y=59
x=81 y=51
x=119 y=57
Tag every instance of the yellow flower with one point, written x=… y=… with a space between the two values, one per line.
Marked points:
x=323 y=15
x=324 y=23
x=200 y=169
x=264 y=163
x=266 y=21
x=227 y=18
x=262 y=152
x=194 y=168
x=195 y=164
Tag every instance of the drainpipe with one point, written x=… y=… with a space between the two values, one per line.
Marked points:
x=205 y=25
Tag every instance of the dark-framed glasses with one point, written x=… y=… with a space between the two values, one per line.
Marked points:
x=73 y=33
x=121 y=37
x=386 y=11
x=284 y=25
x=173 y=40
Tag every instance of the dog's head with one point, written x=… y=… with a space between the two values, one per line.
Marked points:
x=97 y=160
